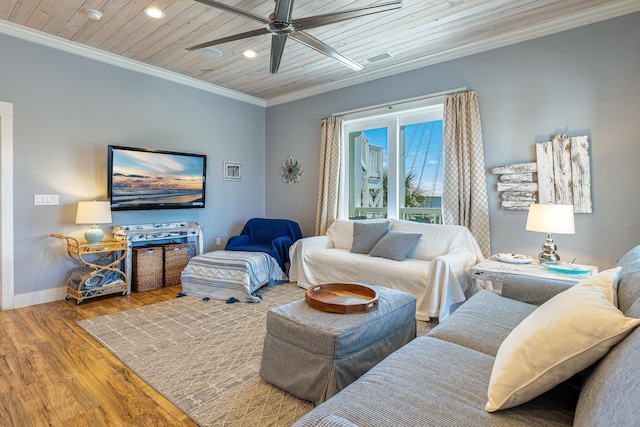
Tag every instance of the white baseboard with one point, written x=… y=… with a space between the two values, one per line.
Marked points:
x=39 y=297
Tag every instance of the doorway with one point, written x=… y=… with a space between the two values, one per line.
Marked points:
x=6 y=206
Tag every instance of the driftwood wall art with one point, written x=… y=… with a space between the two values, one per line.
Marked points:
x=517 y=185
x=563 y=172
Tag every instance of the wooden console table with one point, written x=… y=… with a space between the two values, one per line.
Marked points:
x=143 y=234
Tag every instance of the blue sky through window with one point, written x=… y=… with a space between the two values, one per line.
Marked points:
x=423 y=147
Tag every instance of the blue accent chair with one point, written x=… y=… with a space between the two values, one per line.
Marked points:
x=273 y=236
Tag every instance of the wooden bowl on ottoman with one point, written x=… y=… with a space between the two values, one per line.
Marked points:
x=342 y=298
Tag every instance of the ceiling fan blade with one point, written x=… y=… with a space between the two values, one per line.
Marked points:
x=317 y=45
x=231 y=9
x=330 y=18
x=240 y=36
x=283 y=10
x=277 y=49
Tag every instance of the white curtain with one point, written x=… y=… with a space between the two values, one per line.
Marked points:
x=330 y=193
x=464 y=198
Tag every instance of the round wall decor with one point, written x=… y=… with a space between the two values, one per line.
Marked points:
x=291 y=171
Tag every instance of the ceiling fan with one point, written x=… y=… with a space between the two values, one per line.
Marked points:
x=281 y=26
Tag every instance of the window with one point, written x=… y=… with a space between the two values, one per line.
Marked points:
x=395 y=163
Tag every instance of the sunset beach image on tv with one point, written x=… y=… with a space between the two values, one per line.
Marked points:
x=153 y=179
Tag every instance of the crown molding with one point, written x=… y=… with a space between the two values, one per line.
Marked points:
x=55 y=42
x=600 y=13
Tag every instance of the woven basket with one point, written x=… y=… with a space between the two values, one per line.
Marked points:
x=175 y=260
x=147 y=268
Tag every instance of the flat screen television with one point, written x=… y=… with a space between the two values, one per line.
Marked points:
x=143 y=178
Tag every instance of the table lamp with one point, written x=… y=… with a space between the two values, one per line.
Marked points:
x=93 y=213
x=550 y=218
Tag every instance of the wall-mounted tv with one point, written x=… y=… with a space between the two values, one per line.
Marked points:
x=143 y=178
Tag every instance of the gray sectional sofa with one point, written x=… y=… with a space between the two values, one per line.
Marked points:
x=442 y=379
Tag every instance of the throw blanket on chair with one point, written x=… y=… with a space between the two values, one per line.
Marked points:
x=272 y=236
x=227 y=274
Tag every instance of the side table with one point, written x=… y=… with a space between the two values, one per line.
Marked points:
x=495 y=271
x=101 y=260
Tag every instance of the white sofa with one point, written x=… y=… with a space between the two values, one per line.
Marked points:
x=436 y=271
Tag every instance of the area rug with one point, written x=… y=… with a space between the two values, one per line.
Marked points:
x=204 y=356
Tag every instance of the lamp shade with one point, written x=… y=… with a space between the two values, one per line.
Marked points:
x=549 y=218
x=93 y=213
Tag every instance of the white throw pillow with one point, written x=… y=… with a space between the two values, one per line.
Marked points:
x=560 y=338
x=607 y=282
x=341 y=232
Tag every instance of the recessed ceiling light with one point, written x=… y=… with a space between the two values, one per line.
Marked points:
x=249 y=53
x=210 y=52
x=154 y=12
x=93 y=14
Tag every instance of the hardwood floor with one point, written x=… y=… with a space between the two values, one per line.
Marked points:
x=52 y=373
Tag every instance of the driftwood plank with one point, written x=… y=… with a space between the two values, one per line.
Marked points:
x=523 y=196
x=581 y=174
x=514 y=168
x=544 y=159
x=517 y=177
x=517 y=186
x=515 y=206
x=562 y=169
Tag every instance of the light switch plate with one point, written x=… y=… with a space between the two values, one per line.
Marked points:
x=45 y=199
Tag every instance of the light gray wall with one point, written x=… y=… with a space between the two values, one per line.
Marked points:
x=68 y=109
x=582 y=81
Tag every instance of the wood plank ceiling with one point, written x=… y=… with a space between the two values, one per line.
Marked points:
x=420 y=30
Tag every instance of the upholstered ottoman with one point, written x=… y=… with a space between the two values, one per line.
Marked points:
x=313 y=355
x=229 y=275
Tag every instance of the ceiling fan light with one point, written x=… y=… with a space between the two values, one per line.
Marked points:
x=281 y=27
x=93 y=14
x=249 y=53
x=154 y=12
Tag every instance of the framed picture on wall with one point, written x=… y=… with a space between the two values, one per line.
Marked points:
x=232 y=171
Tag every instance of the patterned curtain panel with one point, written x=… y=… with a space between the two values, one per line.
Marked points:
x=331 y=174
x=464 y=198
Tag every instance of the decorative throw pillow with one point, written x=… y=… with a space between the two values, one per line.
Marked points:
x=607 y=282
x=395 y=245
x=366 y=235
x=341 y=233
x=560 y=338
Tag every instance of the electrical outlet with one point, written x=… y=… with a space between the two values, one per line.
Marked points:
x=218 y=241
